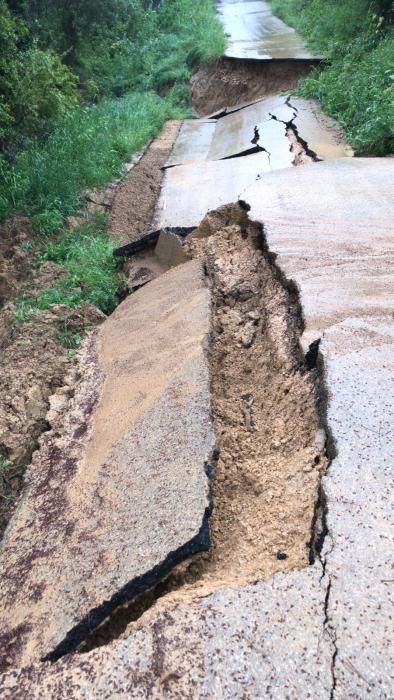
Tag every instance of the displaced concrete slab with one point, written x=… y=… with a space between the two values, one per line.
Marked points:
x=329 y=221
x=169 y=250
x=233 y=644
x=193 y=142
x=255 y=33
x=189 y=191
x=104 y=513
x=331 y=224
x=261 y=126
x=322 y=134
x=334 y=616
x=323 y=632
x=252 y=127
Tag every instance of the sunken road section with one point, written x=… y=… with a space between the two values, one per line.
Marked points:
x=119 y=491
x=236 y=642
x=270 y=435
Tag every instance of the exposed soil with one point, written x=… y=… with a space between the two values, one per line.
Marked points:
x=301 y=157
x=135 y=198
x=227 y=82
x=265 y=409
x=33 y=365
x=33 y=356
x=16 y=256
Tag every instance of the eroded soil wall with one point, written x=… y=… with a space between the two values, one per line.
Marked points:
x=229 y=81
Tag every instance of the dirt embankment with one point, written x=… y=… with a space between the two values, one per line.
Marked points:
x=34 y=357
x=135 y=198
x=227 y=82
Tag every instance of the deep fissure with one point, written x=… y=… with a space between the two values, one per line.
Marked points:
x=268 y=512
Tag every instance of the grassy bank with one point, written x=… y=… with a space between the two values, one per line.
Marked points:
x=356 y=85
x=86 y=146
x=86 y=149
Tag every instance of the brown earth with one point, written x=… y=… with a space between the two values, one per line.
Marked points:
x=135 y=198
x=33 y=357
x=16 y=255
x=33 y=364
x=266 y=421
x=227 y=82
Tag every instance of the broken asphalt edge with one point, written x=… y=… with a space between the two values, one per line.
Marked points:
x=150 y=239
x=141 y=584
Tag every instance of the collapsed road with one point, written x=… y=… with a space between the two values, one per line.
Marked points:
x=210 y=514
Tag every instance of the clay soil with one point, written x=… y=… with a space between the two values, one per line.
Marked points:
x=33 y=358
x=264 y=407
x=228 y=82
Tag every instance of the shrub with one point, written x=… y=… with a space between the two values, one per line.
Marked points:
x=45 y=93
x=355 y=85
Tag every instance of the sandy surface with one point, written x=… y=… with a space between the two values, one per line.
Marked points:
x=135 y=198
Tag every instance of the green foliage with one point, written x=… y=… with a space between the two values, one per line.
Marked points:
x=140 y=51
x=87 y=149
x=69 y=338
x=355 y=85
x=46 y=91
x=153 y=52
x=359 y=92
x=87 y=254
x=36 y=88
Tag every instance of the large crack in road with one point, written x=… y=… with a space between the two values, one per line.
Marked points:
x=267 y=605
x=269 y=423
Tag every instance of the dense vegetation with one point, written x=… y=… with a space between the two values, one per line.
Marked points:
x=83 y=85
x=356 y=86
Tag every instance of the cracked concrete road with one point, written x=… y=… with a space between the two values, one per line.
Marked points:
x=323 y=632
x=260 y=126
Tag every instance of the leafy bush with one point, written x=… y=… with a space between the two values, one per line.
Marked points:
x=355 y=85
x=46 y=91
x=36 y=88
x=358 y=91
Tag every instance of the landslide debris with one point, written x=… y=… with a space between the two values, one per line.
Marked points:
x=264 y=406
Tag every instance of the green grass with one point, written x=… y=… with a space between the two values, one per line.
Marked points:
x=87 y=255
x=89 y=145
x=87 y=149
x=356 y=84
